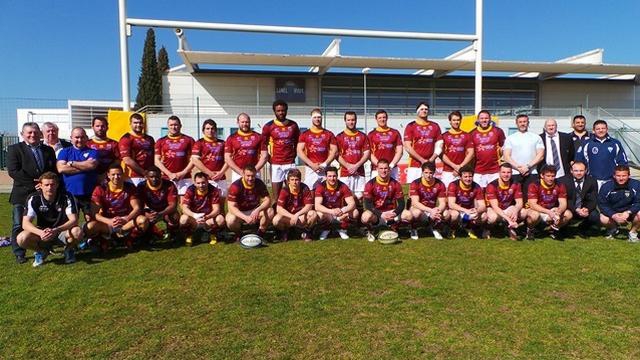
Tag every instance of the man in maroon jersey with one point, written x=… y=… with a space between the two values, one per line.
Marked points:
x=334 y=202
x=317 y=148
x=117 y=210
x=281 y=135
x=428 y=201
x=294 y=207
x=136 y=149
x=488 y=140
x=466 y=203
x=505 y=201
x=457 y=149
x=353 y=152
x=207 y=156
x=248 y=202
x=173 y=155
x=422 y=140
x=547 y=201
x=201 y=209
x=386 y=143
x=383 y=201
x=106 y=148
x=245 y=147
x=159 y=198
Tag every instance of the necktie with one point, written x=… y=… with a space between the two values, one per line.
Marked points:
x=578 y=194
x=555 y=154
x=38 y=156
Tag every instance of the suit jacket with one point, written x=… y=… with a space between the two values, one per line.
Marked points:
x=565 y=148
x=23 y=169
x=589 y=192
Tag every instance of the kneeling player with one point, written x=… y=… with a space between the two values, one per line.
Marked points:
x=619 y=202
x=547 y=201
x=56 y=215
x=383 y=201
x=248 y=202
x=466 y=203
x=428 y=201
x=295 y=207
x=118 y=211
x=201 y=209
x=159 y=198
x=334 y=202
x=505 y=201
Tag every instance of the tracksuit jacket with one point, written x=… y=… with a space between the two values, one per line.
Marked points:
x=614 y=198
x=601 y=156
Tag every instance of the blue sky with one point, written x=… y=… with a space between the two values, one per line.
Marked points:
x=56 y=49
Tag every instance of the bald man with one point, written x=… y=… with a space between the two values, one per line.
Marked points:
x=558 y=149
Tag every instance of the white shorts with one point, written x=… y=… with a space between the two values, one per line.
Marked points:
x=413 y=173
x=355 y=183
x=279 y=172
x=235 y=176
x=183 y=185
x=221 y=185
x=135 y=180
x=395 y=173
x=484 y=179
x=447 y=178
x=311 y=177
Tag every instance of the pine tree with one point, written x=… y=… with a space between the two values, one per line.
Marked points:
x=149 y=82
x=163 y=60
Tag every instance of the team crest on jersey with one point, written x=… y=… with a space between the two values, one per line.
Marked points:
x=594 y=150
x=43 y=208
x=610 y=148
x=627 y=193
x=85 y=155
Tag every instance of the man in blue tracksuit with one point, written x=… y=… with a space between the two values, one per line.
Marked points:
x=601 y=153
x=619 y=202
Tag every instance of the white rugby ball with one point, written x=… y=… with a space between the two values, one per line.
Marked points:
x=251 y=241
x=387 y=237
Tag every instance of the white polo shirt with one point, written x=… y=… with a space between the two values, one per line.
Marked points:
x=523 y=148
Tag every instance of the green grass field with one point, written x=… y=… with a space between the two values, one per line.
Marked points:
x=457 y=298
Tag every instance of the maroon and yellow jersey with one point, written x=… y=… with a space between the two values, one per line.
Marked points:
x=317 y=143
x=455 y=145
x=384 y=143
x=201 y=203
x=282 y=140
x=547 y=196
x=465 y=196
x=175 y=152
x=333 y=198
x=428 y=194
x=157 y=199
x=385 y=195
x=505 y=194
x=245 y=148
x=487 y=145
x=245 y=197
x=211 y=153
x=351 y=146
x=114 y=203
x=107 y=153
x=294 y=202
x=138 y=148
x=423 y=136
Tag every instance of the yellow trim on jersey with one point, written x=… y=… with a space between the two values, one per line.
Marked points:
x=453 y=132
x=211 y=140
x=422 y=122
x=174 y=137
x=379 y=129
x=115 y=188
x=349 y=133
x=293 y=192
x=502 y=185
x=544 y=186
x=316 y=131
x=246 y=186
x=382 y=182
x=153 y=188
x=202 y=193
x=242 y=133
x=462 y=185
x=332 y=188
x=425 y=183
x=98 y=141
x=484 y=131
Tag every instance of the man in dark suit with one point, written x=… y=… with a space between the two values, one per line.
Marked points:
x=559 y=150
x=582 y=196
x=26 y=161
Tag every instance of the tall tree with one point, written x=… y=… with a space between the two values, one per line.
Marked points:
x=149 y=82
x=163 y=60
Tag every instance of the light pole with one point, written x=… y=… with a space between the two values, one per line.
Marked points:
x=365 y=71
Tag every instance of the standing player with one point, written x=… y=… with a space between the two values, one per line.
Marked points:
x=428 y=201
x=465 y=199
x=505 y=201
x=245 y=147
x=106 y=148
x=159 y=199
x=202 y=209
x=547 y=203
x=173 y=155
x=488 y=140
x=207 y=156
x=281 y=135
x=579 y=135
x=353 y=152
x=383 y=201
x=294 y=207
x=422 y=140
x=317 y=148
x=457 y=149
x=136 y=150
x=334 y=202
x=386 y=143
x=248 y=202
x=117 y=211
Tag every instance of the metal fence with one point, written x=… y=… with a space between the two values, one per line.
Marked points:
x=5 y=141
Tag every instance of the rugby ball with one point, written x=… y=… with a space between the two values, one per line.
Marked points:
x=251 y=241
x=388 y=237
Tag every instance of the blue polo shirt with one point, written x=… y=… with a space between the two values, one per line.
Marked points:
x=82 y=183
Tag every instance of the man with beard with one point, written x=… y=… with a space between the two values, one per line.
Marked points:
x=173 y=155
x=488 y=140
x=467 y=207
x=248 y=202
x=334 y=202
x=281 y=135
x=202 y=209
x=428 y=202
x=159 y=199
x=136 y=150
x=505 y=201
x=245 y=147
x=317 y=148
x=353 y=152
x=208 y=156
x=547 y=203
x=294 y=207
x=579 y=135
x=422 y=140
x=386 y=143
x=106 y=148
x=457 y=149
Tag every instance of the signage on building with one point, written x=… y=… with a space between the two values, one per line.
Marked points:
x=290 y=90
